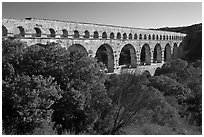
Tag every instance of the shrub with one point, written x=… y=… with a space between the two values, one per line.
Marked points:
x=132 y=101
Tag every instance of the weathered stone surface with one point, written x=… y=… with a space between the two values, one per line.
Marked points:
x=81 y=36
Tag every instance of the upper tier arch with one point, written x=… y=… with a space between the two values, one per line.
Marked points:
x=50 y=28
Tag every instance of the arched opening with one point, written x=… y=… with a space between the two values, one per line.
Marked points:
x=76 y=34
x=157 y=37
x=124 y=36
x=167 y=53
x=145 y=55
x=104 y=35
x=22 y=31
x=153 y=37
x=135 y=36
x=157 y=56
x=111 y=35
x=163 y=37
x=86 y=34
x=167 y=37
x=146 y=73
x=175 y=52
x=128 y=56
x=95 y=36
x=38 y=32
x=140 y=36
x=130 y=36
x=118 y=35
x=149 y=37
x=64 y=33
x=78 y=48
x=52 y=32
x=160 y=37
x=4 y=31
x=104 y=54
x=145 y=36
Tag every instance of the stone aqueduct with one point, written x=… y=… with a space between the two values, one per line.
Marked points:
x=112 y=45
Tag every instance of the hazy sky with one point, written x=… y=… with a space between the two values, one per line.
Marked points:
x=132 y=14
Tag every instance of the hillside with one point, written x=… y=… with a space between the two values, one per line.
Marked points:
x=191 y=49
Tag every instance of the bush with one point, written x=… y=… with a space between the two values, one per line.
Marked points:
x=134 y=101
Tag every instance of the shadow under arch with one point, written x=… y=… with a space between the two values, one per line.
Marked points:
x=157 y=55
x=4 y=31
x=104 y=54
x=167 y=53
x=21 y=32
x=37 y=32
x=145 y=55
x=128 y=56
x=78 y=48
x=146 y=73
x=175 y=52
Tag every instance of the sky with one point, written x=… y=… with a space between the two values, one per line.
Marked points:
x=129 y=14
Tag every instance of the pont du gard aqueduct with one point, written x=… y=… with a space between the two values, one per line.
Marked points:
x=115 y=46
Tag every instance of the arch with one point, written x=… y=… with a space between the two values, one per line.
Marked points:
x=38 y=32
x=78 y=48
x=76 y=34
x=4 y=31
x=135 y=36
x=130 y=36
x=149 y=37
x=104 y=54
x=167 y=53
x=146 y=73
x=145 y=36
x=104 y=35
x=163 y=37
x=157 y=37
x=112 y=35
x=157 y=55
x=153 y=37
x=128 y=56
x=118 y=35
x=86 y=34
x=22 y=31
x=124 y=36
x=160 y=37
x=52 y=32
x=140 y=36
x=95 y=35
x=175 y=52
x=64 y=33
x=145 y=55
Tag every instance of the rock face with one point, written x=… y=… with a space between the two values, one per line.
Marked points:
x=112 y=45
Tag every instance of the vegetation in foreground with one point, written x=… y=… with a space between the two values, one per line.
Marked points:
x=47 y=90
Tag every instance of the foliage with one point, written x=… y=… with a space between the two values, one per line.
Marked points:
x=26 y=101
x=48 y=90
x=188 y=75
x=192 y=43
x=81 y=80
x=133 y=101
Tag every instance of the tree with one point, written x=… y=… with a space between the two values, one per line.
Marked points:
x=26 y=101
x=187 y=75
x=81 y=80
x=132 y=101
